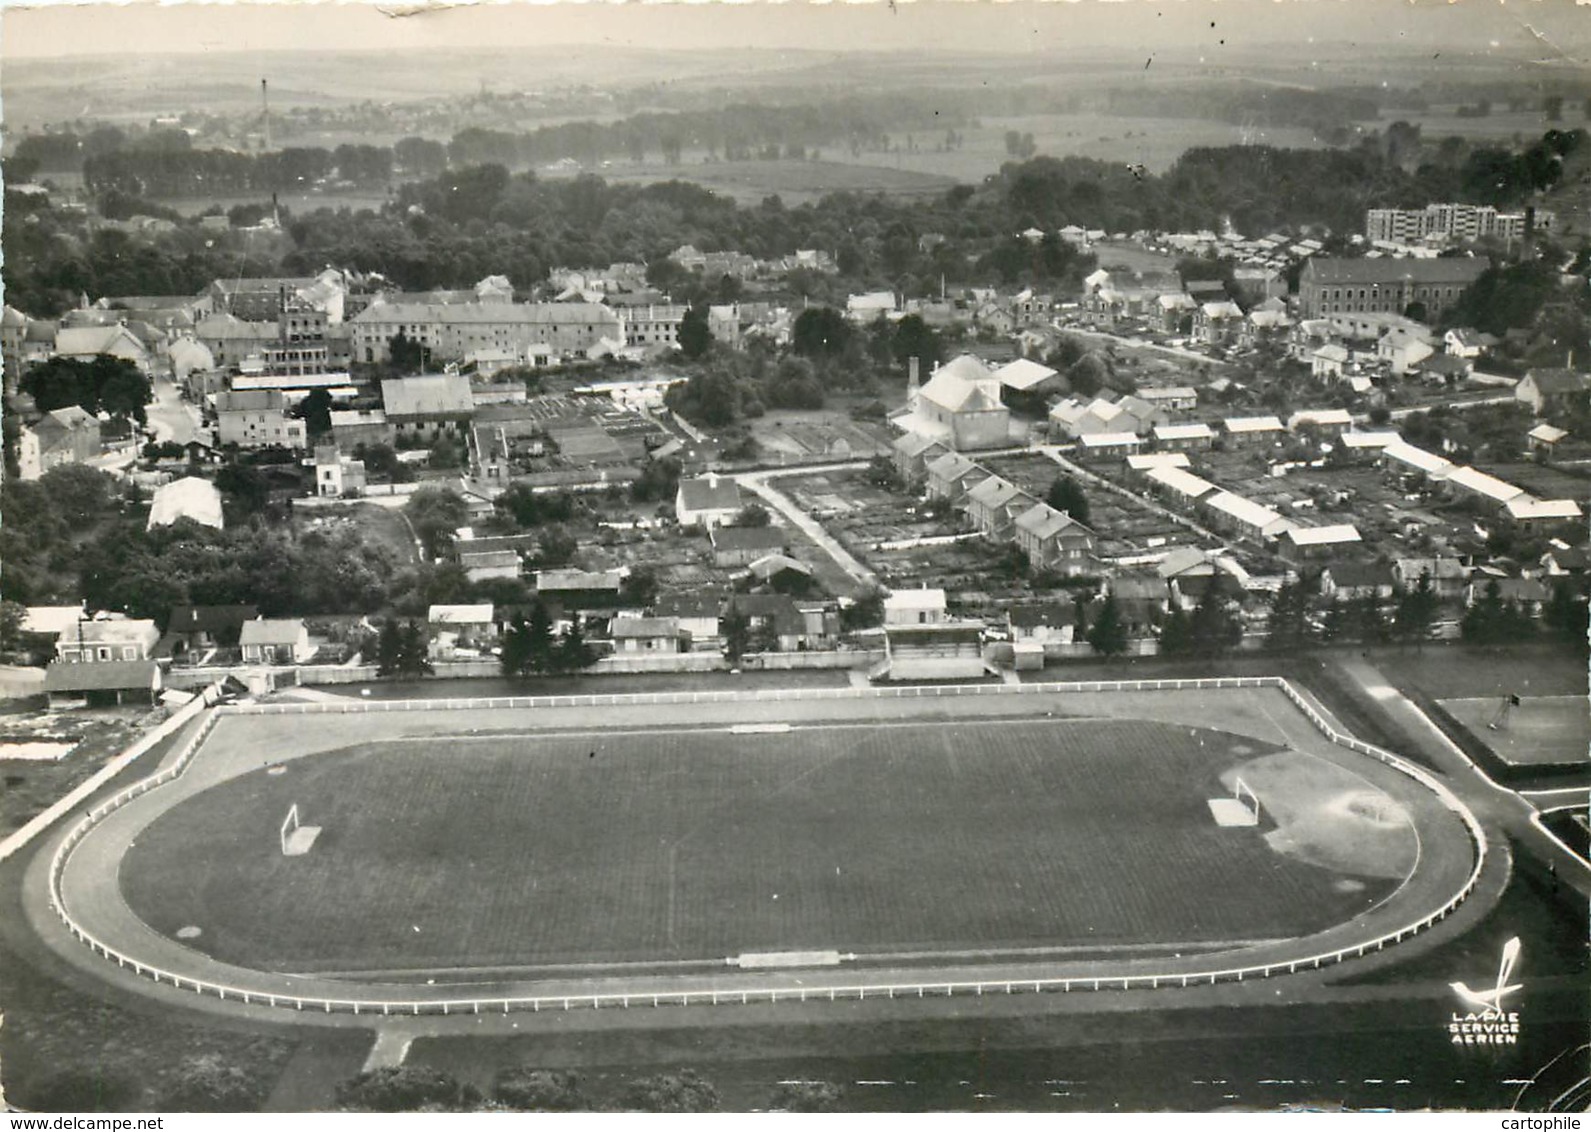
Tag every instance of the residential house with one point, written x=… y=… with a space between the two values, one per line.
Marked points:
x=646 y=635
x=1473 y=482
x=195 y=628
x=1183 y=437
x=1349 y=581
x=1180 y=484
x=654 y=327
x=912 y=454
x=337 y=476
x=1524 y=509
x=1328 y=361
x=231 y=340
x=923 y=606
x=708 y=501
x=479 y=565
x=1142 y=600
x=1171 y=398
x=1449 y=577
x=1305 y=544
x=866 y=308
x=1218 y=323
x=1176 y=312
x=62 y=436
x=1403 y=349
x=187 y=498
x=781 y=574
x=428 y=407
x=111 y=682
x=1266 y=323
x=1445 y=369
x=1462 y=342
x=1529 y=594
x=1053 y=540
x=741 y=546
x=1252 y=432
x=85 y=343
x=1330 y=423
x=580 y=590
x=1549 y=391
x=994 y=505
x=257 y=419
x=952 y=475
x=469 y=629
x=1108 y=445
x=772 y=617
x=1043 y=622
x=103 y=640
x=1244 y=517
x=283 y=640
x=696 y=612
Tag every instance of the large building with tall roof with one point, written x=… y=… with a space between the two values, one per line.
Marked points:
x=960 y=407
x=1331 y=286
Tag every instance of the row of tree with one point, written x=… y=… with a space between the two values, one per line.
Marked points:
x=530 y=647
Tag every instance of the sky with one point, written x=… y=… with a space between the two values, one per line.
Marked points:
x=1561 y=27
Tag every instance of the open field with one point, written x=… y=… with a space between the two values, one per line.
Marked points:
x=695 y=845
x=1542 y=730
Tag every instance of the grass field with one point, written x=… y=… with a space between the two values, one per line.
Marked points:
x=1541 y=731
x=700 y=845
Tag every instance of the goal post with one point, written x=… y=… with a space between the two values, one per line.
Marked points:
x=1244 y=795
x=290 y=825
x=296 y=837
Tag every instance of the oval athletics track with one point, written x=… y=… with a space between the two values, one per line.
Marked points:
x=94 y=912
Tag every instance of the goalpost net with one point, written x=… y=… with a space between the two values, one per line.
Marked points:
x=296 y=837
x=1244 y=796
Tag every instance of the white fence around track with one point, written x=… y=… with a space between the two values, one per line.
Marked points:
x=845 y=990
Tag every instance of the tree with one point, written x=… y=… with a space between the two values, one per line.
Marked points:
x=1417 y=609
x=12 y=615
x=574 y=652
x=538 y=640
x=405 y=354
x=658 y=481
x=389 y=648
x=1289 y=626
x=414 y=653
x=316 y=410
x=405 y=1088
x=736 y=628
x=1565 y=613
x=695 y=339
x=209 y=1084
x=1368 y=619
x=670 y=1092
x=436 y=513
x=1214 y=629
x=865 y=611
x=1108 y=635
x=640 y=586
x=806 y=1096
x=514 y=654
x=752 y=515
x=1066 y=494
x=1176 y=635
x=820 y=332
x=245 y=488
x=75 y=493
x=524 y=1089
x=104 y=383
x=914 y=338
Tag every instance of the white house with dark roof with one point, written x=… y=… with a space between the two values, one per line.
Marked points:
x=1054 y=540
x=62 y=436
x=707 y=501
x=276 y=640
x=993 y=506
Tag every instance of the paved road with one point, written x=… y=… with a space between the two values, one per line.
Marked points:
x=170 y=416
x=1491 y=803
x=758 y=482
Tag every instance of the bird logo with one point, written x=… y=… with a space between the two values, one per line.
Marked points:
x=1491 y=1001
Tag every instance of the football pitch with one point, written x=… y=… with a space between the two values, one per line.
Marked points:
x=891 y=840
